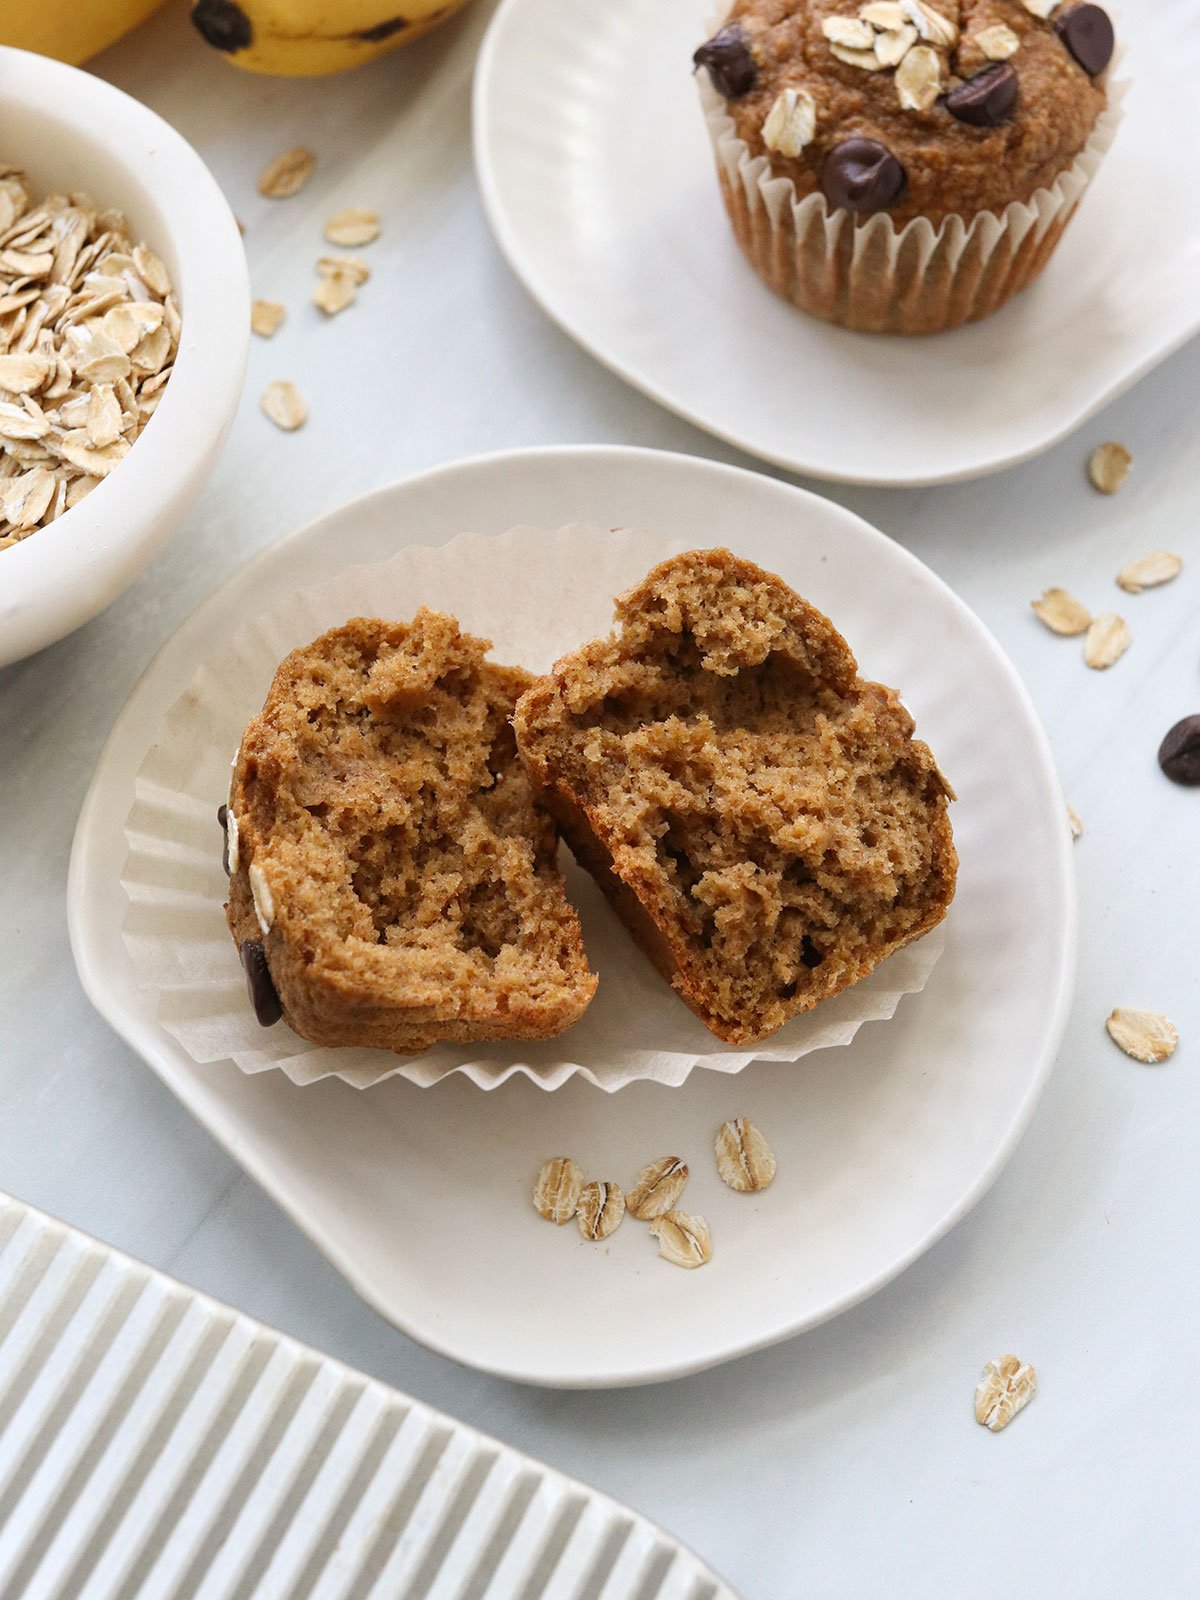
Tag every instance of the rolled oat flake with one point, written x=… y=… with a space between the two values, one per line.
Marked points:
x=1179 y=753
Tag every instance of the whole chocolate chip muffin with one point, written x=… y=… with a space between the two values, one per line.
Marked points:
x=932 y=153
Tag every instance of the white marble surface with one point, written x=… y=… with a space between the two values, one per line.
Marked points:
x=845 y=1463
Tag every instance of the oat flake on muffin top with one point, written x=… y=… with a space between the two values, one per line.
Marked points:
x=909 y=107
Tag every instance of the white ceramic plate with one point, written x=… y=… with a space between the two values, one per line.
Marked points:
x=597 y=174
x=421 y=1196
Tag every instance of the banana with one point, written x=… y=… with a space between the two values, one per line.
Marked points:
x=301 y=38
x=70 y=30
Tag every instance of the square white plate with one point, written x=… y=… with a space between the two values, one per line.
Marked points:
x=598 y=178
x=421 y=1197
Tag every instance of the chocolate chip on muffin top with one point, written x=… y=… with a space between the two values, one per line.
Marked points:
x=913 y=107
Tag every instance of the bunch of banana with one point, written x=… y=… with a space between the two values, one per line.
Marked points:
x=300 y=38
x=71 y=30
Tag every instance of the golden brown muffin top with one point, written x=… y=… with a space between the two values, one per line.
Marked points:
x=988 y=102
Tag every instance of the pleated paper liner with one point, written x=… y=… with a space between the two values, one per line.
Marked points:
x=536 y=594
x=874 y=277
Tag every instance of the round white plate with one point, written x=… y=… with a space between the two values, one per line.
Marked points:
x=597 y=175
x=421 y=1197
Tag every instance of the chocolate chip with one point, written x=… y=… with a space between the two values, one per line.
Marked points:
x=263 y=995
x=987 y=99
x=811 y=954
x=862 y=175
x=223 y=819
x=1088 y=34
x=730 y=61
x=1179 y=753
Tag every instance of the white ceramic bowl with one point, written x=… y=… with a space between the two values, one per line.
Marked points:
x=71 y=131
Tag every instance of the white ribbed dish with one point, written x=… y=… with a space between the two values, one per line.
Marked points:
x=154 y=1443
x=421 y=1196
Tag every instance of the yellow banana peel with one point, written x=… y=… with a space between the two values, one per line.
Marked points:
x=304 y=38
x=69 y=30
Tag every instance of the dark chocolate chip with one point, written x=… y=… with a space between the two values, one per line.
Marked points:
x=987 y=99
x=1087 y=32
x=263 y=995
x=810 y=954
x=223 y=819
x=1179 y=753
x=862 y=175
x=730 y=61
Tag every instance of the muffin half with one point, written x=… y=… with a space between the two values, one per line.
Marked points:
x=392 y=881
x=760 y=817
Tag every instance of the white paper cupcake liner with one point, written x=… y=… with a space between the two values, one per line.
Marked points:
x=874 y=277
x=536 y=595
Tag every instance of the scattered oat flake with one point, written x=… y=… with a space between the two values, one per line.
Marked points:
x=886 y=15
x=849 y=31
x=919 y=79
x=601 y=1208
x=657 y=1188
x=865 y=60
x=745 y=1160
x=892 y=47
x=265 y=317
x=355 y=266
x=998 y=42
x=353 y=227
x=930 y=24
x=791 y=122
x=1147 y=572
x=1062 y=613
x=1008 y=1386
x=1039 y=8
x=1075 y=823
x=557 y=1190
x=335 y=292
x=1108 y=467
x=1108 y=638
x=1145 y=1035
x=287 y=174
x=283 y=403
x=683 y=1238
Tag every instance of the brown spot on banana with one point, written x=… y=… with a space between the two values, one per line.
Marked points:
x=223 y=24
x=387 y=30
x=381 y=30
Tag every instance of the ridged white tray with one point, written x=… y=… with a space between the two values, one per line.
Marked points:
x=155 y=1443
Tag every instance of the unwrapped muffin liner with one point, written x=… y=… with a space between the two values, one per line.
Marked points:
x=874 y=277
x=535 y=594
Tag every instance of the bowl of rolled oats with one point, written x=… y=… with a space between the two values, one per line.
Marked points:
x=124 y=327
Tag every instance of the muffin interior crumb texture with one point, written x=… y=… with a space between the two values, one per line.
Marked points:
x=760 y=816
x=414 y=878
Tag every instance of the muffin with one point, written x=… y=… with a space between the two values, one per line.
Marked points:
x=759 y=816
x=905 y=166
x=392 y=882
